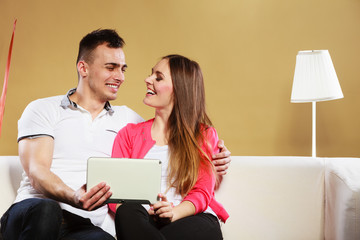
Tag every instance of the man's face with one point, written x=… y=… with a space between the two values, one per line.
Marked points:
x=105 y=72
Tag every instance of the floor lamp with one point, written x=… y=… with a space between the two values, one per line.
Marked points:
x=315 y=80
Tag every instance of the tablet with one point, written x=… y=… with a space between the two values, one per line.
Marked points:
x=131 y=180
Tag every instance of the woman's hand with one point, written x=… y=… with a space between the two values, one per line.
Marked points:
x=165 y=212
x=162 y=210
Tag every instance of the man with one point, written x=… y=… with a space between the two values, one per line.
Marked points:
x=56 y=137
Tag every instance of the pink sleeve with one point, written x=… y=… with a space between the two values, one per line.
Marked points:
x=203 y=191
x=112 y=207
x=213 y=139
x=121 y=148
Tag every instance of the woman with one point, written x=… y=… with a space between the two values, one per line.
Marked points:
x=181 y=137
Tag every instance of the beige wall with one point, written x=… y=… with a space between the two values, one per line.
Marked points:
x=246 y=48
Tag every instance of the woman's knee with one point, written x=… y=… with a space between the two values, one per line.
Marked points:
x=127 y=210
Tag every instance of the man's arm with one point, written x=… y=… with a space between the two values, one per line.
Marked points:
x=222 y=159
x=36 y=158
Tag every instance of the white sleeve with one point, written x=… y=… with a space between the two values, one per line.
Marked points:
x=37 y=119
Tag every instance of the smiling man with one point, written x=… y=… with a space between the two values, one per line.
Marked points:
x=58 y=134
x=101 y=73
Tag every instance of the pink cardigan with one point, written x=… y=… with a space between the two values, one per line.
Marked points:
x=134 y=141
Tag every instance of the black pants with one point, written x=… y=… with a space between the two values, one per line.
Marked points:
x=133 y=222
x=44 y=219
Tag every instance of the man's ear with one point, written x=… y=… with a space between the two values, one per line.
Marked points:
x=82 y=68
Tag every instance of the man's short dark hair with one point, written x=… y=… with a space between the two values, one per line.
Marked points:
x=96 y=38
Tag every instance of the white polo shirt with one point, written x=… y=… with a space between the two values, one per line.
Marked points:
x=76 y=138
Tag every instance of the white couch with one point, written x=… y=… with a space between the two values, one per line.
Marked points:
x=270 y=197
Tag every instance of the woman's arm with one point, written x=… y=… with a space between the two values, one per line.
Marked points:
x=203 y=191
x=165 y=210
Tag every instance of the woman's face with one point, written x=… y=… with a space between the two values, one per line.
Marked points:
x=159 y=87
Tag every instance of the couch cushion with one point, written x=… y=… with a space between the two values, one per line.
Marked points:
x=274 y=198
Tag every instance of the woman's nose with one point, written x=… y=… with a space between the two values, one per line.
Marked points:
x=148 y=79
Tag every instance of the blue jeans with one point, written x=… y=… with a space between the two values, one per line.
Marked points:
x=36 y=218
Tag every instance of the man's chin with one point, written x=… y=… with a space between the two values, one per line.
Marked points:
x=111 y=98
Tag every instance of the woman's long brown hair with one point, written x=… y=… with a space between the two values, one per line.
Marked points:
x=187 y=124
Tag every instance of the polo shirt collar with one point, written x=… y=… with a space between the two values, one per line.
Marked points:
x=67 y=103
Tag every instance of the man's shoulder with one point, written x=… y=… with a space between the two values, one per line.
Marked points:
x=121 y=108
x=48 y=100
x=42 y=107
x=39 y=117
x=126 y=114
x=44 y=104
x=122 y=111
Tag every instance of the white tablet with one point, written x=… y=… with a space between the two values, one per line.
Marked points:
x=133 y=180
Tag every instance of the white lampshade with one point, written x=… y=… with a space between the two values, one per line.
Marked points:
x=315 y=78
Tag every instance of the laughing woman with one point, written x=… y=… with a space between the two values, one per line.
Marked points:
x=180 y=136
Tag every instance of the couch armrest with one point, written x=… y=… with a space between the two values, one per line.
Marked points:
x=342 y=189
x=10 y=177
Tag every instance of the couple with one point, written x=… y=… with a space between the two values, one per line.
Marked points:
x=58 y=134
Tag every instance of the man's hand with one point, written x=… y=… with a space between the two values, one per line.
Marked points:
x=222 y=159
x=93 y=198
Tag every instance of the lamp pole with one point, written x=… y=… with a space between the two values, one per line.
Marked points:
x=314 y=129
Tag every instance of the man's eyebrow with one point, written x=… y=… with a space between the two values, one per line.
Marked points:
x=116 y=65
